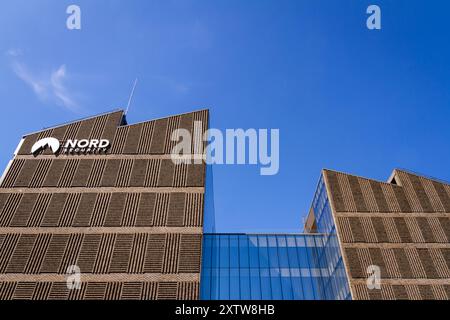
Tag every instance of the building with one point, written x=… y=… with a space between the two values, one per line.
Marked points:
x=112 y=203
x=104 y=198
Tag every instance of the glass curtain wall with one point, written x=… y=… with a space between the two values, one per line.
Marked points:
x=330 y=258
x=262 y=266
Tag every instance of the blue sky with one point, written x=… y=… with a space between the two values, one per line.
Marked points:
x=343 y=97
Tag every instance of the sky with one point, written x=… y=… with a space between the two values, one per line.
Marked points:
x=342 y=96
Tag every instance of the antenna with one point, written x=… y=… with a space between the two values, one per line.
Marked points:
x=131 y=95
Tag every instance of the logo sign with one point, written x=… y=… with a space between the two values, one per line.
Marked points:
x=44 y=143
x=72 y=146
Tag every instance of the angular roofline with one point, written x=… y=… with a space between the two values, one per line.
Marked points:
x=77 y=120
x=160 y=118
x=417 y=174
x=109 y=112
x=354 y=175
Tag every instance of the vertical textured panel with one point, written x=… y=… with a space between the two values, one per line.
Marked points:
x=354 y=265
x=25 y=175
x=82 y=173
x=40 y=173
x=24 y=291
x=432 y=195
x=347 y=195
x=37 y=254
x=357 y=194
x=121 y=254
x=403 y=263
x=172 y=125
x=95 y=291
x=369 y=197
x=161 y=209
x=137 y=259
x=170 y=261
x=7 y=249
x=444 y=197
x=130 y=210
x=391 y=263
x=390 y=197
x=54 y=210
x=196 y=175
x=421 y=194
x=158 y=137
x=105 y=253
x=115 y=210
x=126 y=166
x=414 y=230
x=68 y=173
x=55 y=172
x=391 y=230
x=190 y=253
x=88 y=252
x=99 y=125
x=152 y=173
x=427 y=263
x=409 y=192
x=335 y=190
x=188 y=290
x=379 y=196
x=403 y=230
x=132 y=142
x=86 y=126
x=345 y=230
x=137 y=178
x=368 y=229
x=96 y=173
x=72 y=130
x=13 y=172
x=111 y=171
x=84 y=212
x=23 y=212
x=70 y=256
x=114 y=120
x=194 y=210
x=58 y=291
x=437 y=230
x=70 y=209
x=53 y=257
x=154 y=253
x=357 y=230
x=146 y=138
x=401 y=199
x=21 y=254
x=175 y=217
x=377 y=259
x=119 y=140
x=113 y=290
x=166 y=173
x=131 y=291
x=10 y=208
x=146 y=210
x=198 y=145
x=149 y=290
x=167 y=290
x=180 y=175
x=39 y=210
x=440 y=262
x=100 y=209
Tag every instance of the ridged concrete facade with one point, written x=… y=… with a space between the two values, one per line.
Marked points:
x=130 y=219
x=402 y=226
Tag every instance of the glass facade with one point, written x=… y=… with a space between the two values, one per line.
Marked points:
x=330 y=258
x=262 y=266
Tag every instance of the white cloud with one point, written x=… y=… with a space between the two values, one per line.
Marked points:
x=48 y=88
x=14 y=52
